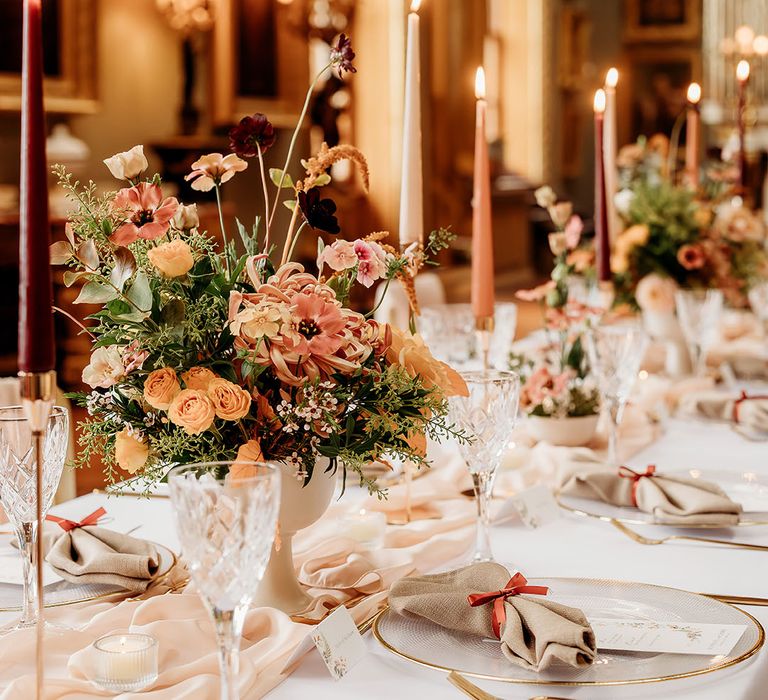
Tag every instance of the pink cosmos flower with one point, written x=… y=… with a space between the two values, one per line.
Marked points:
x=572 y=231
x=214 y=169
x=148 y=215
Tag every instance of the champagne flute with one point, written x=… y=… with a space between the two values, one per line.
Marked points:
x=226 y=526
x=615 y=353
x=699 y=311
x=18 y=489
x=487 y=416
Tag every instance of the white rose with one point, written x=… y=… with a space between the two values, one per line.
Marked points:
x=623 y=200
x=186 y=217
x=105 y=368
x=128 y=164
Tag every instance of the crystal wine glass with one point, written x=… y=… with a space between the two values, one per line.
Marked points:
x=758 y=300
x=699 y=311
x=226 y=526
x=615 y=353
x=18 y=488
x=487 y=417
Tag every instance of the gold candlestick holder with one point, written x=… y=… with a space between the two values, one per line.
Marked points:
x=38 y=390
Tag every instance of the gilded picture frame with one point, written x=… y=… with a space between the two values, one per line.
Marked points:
x=73 y=89
x=662 y=20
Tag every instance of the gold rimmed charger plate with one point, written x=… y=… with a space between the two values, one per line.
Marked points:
x=92 y=592
x=426 y=644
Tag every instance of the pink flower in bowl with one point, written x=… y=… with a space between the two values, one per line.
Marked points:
x=148 y=215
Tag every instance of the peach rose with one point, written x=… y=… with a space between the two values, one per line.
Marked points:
x=192 y=410
x=413 y=355
x=198 y=378
x=130 y=452
x=246 y=454
x=172 y=259
x=161 y=387
x=230 y=401
x=656 y=293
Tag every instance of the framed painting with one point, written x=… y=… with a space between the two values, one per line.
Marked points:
x=260 y=60
x=69 y=39
x=656 y=85
x=662 y=20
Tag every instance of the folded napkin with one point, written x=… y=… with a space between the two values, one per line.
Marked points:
x=749 y=410
x=534 y=632
x=96 y=555
x=670 y=499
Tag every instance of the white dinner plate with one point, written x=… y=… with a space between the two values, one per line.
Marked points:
x=425 y=643
x=65 y=593
x=747 y=488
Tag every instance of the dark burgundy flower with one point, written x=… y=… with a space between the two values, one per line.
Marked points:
x=342 y=55
x=251 y=134
x=319 y=213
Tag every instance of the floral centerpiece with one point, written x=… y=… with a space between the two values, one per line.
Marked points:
x=556 y=381
x=204 y=352
x=694 y=239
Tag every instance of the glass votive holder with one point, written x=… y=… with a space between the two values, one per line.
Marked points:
x=365 y=526
x=125 y=662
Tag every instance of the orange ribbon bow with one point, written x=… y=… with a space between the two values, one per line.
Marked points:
x=627 y=473
x=516 y=585
x=68 y=525
x=744 y=397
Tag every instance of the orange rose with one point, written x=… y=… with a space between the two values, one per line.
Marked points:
x=198 y=378
x=130 y=452
x=230 y=401
x=161 y=387
x=172 y=259
x=192 y=410
x=243 y=466
x=413 y=355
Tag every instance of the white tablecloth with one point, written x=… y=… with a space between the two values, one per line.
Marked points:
x=571 y=546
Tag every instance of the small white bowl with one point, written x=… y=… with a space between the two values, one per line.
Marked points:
x=565 y=432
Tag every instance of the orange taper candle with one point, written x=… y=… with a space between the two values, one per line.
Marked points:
x=482 y=234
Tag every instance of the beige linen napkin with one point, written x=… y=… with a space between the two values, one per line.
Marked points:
x=670 y=499
x=536 y=633
x=749 y=410
x=97 y=555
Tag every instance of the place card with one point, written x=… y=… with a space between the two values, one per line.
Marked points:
x=337 y=639
x=666 y=637
x=535 y=506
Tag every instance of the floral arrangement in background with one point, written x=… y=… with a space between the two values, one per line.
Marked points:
x=557 y=384
x=205 y=353
x=693 y=242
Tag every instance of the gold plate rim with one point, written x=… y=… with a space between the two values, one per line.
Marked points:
x=157 y=578
x=637 y=681
x=633 y=521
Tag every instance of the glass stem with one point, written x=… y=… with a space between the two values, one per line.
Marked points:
x=697 y=356
x=229 y=628
x=483 y=485
x=26 y=535
x=614 y=412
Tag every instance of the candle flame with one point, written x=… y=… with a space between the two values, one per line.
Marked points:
x=599 y=101
x=480 y=83
x=742 y=71
x=611 y=78
x=415 y=5
x=694 y=93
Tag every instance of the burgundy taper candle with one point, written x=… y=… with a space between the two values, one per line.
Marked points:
x=602 y=242
x=36 y=353
x=742 y=77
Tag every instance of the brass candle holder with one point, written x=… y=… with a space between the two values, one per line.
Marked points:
x=38 y=390
x=483 y=331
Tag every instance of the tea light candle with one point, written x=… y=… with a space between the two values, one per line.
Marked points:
x=367 y=527
x=125 y=662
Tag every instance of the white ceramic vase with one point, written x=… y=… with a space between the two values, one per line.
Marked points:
x=664 y=327
x=564 y=432
x=300 y=507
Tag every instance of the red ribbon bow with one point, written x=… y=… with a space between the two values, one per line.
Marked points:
x=68 y=525
x=744 y=397
x=627 y=473
x=516 y=585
